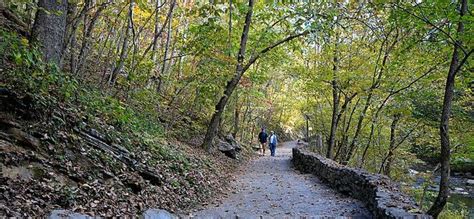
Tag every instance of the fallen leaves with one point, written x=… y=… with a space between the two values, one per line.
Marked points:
x=81 y=178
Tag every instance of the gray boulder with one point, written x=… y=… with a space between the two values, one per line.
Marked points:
x=229 y=146
x=227 y=149
x=230 y=139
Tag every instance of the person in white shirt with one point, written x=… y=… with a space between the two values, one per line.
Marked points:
x=273 y=143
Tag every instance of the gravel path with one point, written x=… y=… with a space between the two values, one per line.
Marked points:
x=269 y=187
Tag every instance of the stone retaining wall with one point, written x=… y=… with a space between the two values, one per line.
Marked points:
x=381 y=196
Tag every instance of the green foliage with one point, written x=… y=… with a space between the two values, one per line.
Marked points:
x=453 y=209
x=134 y=121
x=49 y=86
x=42 y=81
x=463 y=157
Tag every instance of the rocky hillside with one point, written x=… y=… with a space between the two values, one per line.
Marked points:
x=64 y=145
x=57 y=160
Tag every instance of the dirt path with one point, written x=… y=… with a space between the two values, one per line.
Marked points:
x=269 y=187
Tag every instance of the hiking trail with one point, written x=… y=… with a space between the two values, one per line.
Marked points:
x=270 y=187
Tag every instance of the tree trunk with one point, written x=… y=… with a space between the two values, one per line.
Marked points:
x=389 y=159
x=369 y=141
x=442 y=197
x=235 y=129
x=345 y=135
x=358 y=128
x=50 y=27
x=167 y=46
x=155 y=79
x=124 y=50
x=347 y=100
x=375 y=83
x=154 y=50
x=252 y=134
x=246 y=121
x=70 y=31
x=379 y=109
x=72 y=54
x=156 y=31
x=86 y=41
x=335 y=106
x=213 y=125
x=244 y=118
x=334 y=121
x=71 y=35
x=73 y=20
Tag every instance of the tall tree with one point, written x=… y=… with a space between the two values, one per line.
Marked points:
x=454 y=67
x=335 y=103
x=86 y=39
x=376 y=80
x=393 y=128
x=336 y=93
x=239 y=70
x=167 y=46
x=124 y=51
x=50 y=27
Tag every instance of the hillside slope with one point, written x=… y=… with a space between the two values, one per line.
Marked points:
x=67 y=149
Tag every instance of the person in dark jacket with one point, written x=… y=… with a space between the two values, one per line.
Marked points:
x=262 y=138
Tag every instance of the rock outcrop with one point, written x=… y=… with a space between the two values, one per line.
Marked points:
x=229 y=146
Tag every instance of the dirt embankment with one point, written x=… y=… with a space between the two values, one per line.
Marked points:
x=55 y=159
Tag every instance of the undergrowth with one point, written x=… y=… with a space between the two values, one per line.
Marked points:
x=134 y=120
x=452 y=210
x=66 y=105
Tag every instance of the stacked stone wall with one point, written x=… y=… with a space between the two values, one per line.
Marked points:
x=381 y=196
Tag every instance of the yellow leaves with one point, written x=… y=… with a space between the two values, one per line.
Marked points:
x=140 y=15
x=24 y=41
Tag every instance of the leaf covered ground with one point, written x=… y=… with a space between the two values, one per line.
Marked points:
x=46 y=166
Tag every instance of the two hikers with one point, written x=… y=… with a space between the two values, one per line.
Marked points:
x=262 y=138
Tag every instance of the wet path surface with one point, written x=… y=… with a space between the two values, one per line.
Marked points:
x=269 y=187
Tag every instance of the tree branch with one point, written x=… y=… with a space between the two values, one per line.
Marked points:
x=453 y=41
x=407 y=135
x=156 y=35
x=403 y=88
x=276 y=44
x=464 y=60
x=22 y=26
x=140 y=29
